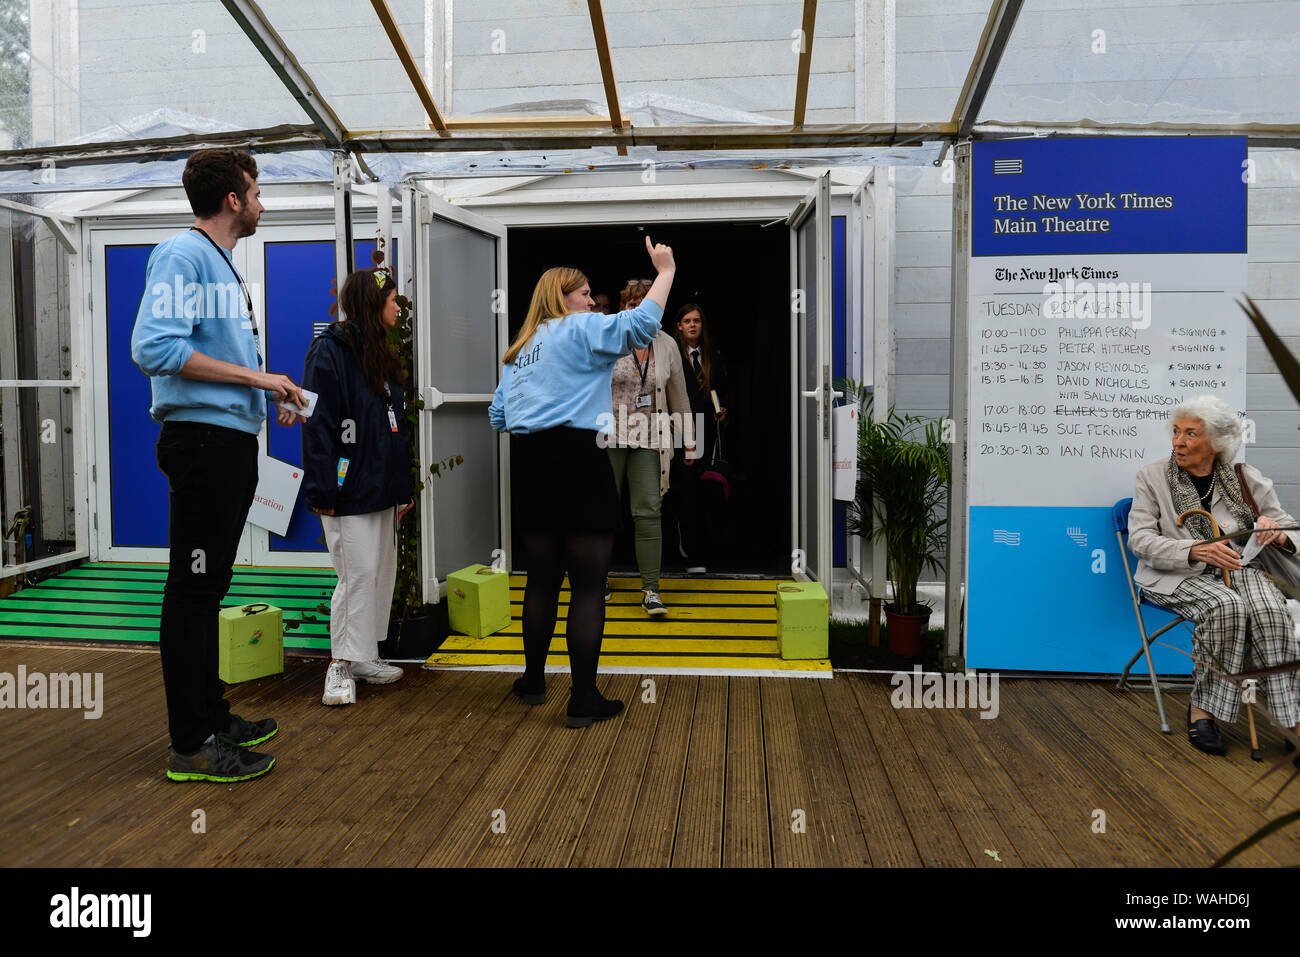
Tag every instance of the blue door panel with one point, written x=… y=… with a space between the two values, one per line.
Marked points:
x=298 y=299
x=138 y=490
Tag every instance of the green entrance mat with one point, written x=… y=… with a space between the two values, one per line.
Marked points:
x=121 y=601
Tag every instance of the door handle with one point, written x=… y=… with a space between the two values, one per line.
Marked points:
x=435 y=398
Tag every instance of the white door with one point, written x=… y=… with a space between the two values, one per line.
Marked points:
x=810 y=304
x=129 y=491
x=460 y=317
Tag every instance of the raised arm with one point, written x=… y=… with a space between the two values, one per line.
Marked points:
x=662 y=258
x=616 y=335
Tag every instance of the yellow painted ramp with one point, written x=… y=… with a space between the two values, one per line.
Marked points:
x=714 y=626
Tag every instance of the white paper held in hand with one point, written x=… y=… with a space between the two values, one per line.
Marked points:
x=277 y=490
x=1253 y=548
x=306 y=410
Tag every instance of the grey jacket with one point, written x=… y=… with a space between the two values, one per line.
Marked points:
x=1162 y=547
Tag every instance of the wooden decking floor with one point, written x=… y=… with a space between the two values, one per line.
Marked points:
x=450 y=769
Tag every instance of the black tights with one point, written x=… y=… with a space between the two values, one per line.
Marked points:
x=586 y=557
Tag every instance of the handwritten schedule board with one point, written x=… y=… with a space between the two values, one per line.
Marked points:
x=1102 y=282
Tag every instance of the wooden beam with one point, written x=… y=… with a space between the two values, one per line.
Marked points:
x=606 y=68
x=408 y=64
x=525 y=122
x=806 y=31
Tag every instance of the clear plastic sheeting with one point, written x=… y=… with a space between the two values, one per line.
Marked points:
x=316 y=166
x=127 y=72
x=642 y=109
x=934 y=44
x=302 y=166
x=743 y=56
x=399 y=166
x=108 y=62
x=343 y=48
x=1172 y=62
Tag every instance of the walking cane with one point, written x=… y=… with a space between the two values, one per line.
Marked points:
x=1256 y=754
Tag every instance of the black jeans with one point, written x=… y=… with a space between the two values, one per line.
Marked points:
x=212 y=475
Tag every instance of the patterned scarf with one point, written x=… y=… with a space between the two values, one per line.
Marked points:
x=1185 y=497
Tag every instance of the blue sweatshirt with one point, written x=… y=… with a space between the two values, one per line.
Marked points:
x=561 y=376
x=193 y=303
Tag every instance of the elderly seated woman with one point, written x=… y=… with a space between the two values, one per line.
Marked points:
x=1179 y=570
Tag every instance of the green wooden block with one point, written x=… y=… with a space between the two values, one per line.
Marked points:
x=250 y=642
x=803 y=619
x=478 y=601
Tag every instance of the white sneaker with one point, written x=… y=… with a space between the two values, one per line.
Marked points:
x=697 y=570
x=339 y=686
x=376 y=672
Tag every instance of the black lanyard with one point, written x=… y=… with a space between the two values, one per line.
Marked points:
x=644 y=371
x=248 y=298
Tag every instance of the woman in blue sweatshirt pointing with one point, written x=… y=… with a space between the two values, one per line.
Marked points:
x=554 y=399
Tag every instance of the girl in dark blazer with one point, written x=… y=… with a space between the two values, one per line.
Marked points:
x=706 y=374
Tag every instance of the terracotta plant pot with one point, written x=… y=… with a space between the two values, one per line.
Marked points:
x=906 y=631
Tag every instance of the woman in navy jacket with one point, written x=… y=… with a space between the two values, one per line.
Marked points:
x=357 y=474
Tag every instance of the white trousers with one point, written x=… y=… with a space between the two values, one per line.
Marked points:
x=364 y=553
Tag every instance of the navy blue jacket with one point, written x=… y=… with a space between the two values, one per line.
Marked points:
x=379 y=459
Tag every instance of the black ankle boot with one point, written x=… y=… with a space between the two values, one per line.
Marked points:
x=588 y=708
x=1204 y=734
x=533 y=692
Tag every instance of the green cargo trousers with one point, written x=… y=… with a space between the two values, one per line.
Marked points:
x=640 y=469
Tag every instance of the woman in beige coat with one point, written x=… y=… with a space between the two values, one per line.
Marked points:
x=651 y=413
x=1180 y=570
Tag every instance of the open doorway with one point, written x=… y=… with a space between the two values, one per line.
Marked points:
x=738 y=272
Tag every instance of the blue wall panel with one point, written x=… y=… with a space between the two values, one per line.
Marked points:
x=298 y=279
x=138 y=489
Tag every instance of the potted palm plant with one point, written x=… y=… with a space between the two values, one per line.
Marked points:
x=903 y=470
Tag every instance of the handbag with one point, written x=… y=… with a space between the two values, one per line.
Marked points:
x=1273 y=561
x=717 y=469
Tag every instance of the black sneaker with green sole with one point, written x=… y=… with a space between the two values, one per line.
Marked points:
x=218 y=760
x=248 y=733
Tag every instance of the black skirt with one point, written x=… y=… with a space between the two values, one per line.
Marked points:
x=562 y=483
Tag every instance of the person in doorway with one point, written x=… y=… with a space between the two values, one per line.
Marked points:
x=554 y=399
x=706 y=375
x=648 y=388
x=1179 y=569
x=195 y=336
x=356 y=458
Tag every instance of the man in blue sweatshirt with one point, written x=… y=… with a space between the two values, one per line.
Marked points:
x=195 y=336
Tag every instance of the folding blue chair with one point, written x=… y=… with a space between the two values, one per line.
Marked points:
x=1119 y=515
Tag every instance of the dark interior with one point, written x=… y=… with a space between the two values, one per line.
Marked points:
x=739 y=275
